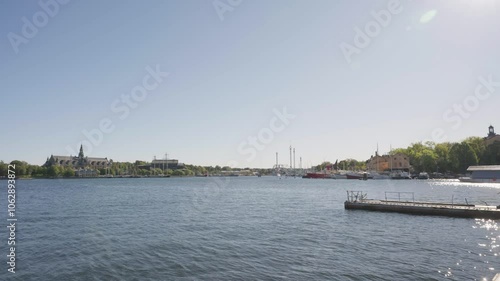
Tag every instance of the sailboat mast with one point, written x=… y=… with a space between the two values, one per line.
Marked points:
x=294 y=158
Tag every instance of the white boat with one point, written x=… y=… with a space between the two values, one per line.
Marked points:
x=483 y=174
x=423 y=176
x=400 y=175
x=341 y=175
x=377 y=176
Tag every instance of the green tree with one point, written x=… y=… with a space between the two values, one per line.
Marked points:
x=188 y=172
x=53 y=171
x=18 y=167
x=21 y=168
x=31 y=170
x=156 y=171
x=491 y=154
x=3 y=169
x=179 y=173
x=442 y=151
x=428 y=161
x=39 y=172
x=144 y=172
x=68 y=172
x=477 y=144
x=422 y=156
x=462 y=155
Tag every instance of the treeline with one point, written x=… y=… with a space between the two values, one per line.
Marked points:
x=127 y=168
x=24 y=169
x=346 y=164
x=447 y=157
x=451 y=157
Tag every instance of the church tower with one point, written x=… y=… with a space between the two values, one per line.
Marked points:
x=491 y=131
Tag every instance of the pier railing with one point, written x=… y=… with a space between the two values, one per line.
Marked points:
x=404 y=202
x=356 y=196
x=397 y=195
x=408 y=199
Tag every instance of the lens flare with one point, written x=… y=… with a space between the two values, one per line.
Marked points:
x=428 y=16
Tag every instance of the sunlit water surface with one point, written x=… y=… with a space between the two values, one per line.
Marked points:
x=243 y=228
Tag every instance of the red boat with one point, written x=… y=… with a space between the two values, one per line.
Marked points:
x=318 y=176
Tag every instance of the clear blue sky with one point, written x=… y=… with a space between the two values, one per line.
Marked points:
x=226 y=77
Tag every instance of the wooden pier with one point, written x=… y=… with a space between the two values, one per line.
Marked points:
x=356 y=200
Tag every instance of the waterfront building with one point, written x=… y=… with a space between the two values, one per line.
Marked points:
x=484 y=174
x=381 y=163
x=492 y=136
x=78 y=162
x=163 y=164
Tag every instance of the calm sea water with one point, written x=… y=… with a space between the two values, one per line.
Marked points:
x=243 y=228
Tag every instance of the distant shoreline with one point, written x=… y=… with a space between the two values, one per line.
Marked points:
x=118 y=177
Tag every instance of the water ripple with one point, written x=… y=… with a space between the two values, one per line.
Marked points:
x=245 y=229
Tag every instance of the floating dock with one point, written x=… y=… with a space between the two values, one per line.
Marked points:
x=356 y=200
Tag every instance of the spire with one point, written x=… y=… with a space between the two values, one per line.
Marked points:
x=51 y=161
x=80 y=155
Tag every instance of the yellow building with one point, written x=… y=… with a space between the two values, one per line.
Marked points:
x=388 y=162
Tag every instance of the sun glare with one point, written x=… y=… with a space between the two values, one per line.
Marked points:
x=428 y=16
